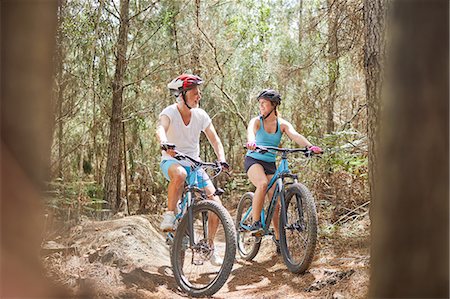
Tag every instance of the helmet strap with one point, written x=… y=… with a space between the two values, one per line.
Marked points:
x=183 y=94
x=266 y=116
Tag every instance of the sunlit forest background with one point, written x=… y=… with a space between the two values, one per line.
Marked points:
x=113 y=69
x=83 y=83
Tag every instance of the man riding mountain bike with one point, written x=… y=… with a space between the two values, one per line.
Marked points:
x=181 y=124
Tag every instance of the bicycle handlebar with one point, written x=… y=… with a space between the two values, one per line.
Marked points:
x=265 y=149
x=217 y=166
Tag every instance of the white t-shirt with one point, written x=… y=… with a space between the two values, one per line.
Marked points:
x=185 y=138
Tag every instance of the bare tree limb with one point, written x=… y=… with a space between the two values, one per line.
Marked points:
x=112 y=13
x=244 y=122
x=144 y=10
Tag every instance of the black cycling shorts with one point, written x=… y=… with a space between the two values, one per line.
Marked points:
x=269 y=167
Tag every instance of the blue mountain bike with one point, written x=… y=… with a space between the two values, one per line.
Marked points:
x=190 y=244
x=298 y=219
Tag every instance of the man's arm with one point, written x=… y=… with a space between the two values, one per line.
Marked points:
x=161 y=129
x=214 y=139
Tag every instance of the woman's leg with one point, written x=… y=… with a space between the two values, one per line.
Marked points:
x=259 y=180
x=276 y=213
x=276 y=221
x=213 y=223
x=213 y=220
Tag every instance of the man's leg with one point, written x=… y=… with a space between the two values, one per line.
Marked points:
x=176 y=175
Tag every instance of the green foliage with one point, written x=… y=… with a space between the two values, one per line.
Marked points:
x=69 y=201
x=345 y=151
x=243 y=47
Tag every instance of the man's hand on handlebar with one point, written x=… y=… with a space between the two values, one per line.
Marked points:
x=224 y=165
x=169 y=148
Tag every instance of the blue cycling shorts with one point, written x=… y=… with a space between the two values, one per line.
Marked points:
x=202 y=177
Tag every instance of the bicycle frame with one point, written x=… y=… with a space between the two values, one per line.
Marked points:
x=191 y=186
x=278 y=180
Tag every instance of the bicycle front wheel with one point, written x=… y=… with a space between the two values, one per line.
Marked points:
x=298 y=235
x=194 y=267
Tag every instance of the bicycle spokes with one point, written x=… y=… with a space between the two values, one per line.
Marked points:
x=296 y=230
x=200 y=265
x=201 y=252
x=299 y=234
x=248 y=245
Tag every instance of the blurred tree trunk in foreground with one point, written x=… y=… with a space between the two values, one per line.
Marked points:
x=28 y=40
x=410 y=235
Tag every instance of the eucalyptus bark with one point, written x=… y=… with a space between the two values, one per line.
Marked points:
x=196 y=46
x=92 y=92
x=333 y=63
x=113 y=170
x=374 y=12
x=60 y=84
x=410 y=223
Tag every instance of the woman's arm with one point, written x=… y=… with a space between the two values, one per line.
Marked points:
x=251 y=135
x=298 y=138
x=251 y=129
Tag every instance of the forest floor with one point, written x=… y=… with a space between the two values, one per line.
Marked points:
x=127 y=258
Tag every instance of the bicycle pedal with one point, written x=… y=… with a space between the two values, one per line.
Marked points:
x=252 y=240
x=258 y=234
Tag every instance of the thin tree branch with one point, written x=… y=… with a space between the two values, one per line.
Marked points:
x=111 y=13
x=244 y=122
x=145 y=9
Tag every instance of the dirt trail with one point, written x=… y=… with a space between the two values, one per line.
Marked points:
x=128 y=258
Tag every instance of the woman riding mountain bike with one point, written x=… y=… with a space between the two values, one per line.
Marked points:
x=267 y=130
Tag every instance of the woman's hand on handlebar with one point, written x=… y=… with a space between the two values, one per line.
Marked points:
x=251 y=145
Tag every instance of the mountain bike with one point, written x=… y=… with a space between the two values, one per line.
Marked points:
x=298 y=219
x=189 y=245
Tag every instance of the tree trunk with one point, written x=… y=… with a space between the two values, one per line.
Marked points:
x=91 y=91
x=373 y=56
x=300 y=22
x=410 y=223
x=59 y=58
x=113 y=171
x=175 y=10
x=333 y=64
x=196 y=47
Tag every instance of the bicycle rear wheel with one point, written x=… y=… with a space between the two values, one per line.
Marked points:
x=248 y=245
x=191 y=264
x=299 y=234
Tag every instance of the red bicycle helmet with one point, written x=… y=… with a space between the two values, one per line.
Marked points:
x=183 y=83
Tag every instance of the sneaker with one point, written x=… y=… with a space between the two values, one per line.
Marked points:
x=256 y=229
x=167 y=225
x=215 y=259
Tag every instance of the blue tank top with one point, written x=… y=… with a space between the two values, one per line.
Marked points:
x=266 y=139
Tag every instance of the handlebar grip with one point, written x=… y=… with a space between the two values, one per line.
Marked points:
x=167 y=146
